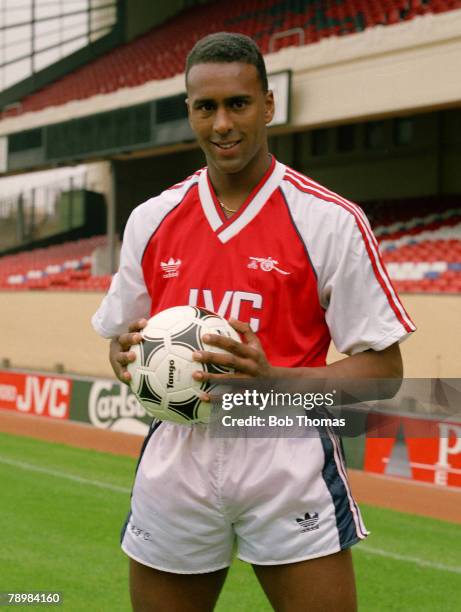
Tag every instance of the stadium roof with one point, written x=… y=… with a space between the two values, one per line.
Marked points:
x=161 y=52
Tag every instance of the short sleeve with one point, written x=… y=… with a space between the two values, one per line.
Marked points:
x=363 y=310
x=127 y=299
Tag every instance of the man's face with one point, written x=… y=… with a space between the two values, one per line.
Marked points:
x=229 y=111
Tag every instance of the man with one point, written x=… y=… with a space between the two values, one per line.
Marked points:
x=322 y=279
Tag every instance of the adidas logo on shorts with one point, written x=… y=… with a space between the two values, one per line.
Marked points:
x=309 y=522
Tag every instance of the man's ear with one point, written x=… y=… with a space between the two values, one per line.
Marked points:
x=269 y=107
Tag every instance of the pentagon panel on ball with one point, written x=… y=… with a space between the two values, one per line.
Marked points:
x=161 y=375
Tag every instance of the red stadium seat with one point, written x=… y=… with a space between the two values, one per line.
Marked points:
x=58 y=267
x=121 y=67
x=421 y=231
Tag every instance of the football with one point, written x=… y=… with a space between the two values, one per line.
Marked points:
x=161 y=375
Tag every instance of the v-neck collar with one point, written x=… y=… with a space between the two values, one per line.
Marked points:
x=226 y=228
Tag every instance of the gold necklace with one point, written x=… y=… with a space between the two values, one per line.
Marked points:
x=229 y=210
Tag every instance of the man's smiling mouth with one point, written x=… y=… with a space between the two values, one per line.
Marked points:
x=226 y=145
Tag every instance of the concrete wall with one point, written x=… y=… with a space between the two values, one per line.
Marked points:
x=43 y=329
x=383 y=70
x=433 y=350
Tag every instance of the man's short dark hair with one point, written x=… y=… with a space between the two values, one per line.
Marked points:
x=226 y=47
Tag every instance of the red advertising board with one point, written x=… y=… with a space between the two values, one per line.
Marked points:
x=38 y=394
x=426 y=450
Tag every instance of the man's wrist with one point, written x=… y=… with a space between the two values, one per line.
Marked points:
x=301 y=372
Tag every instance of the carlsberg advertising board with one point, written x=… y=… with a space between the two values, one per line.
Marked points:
x=108 y=404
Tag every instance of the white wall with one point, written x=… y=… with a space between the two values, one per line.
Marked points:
x=42 y=329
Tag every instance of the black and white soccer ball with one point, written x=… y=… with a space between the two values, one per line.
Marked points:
x=161 y=375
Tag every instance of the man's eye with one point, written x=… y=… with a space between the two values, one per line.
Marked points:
x=238 y=104
x=206 y=106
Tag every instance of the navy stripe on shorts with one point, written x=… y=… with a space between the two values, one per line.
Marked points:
x=344 y=518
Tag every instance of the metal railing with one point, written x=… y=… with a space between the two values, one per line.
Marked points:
x=283 y=34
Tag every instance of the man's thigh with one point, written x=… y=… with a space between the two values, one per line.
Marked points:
x=152 y=590
x=316 y=585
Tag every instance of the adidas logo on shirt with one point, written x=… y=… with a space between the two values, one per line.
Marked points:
x=170 y=268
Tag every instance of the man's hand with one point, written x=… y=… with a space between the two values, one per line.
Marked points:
x=246 y=358
x=119 y=351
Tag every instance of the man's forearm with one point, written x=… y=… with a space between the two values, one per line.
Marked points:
x=369 y=364
x=386 y=364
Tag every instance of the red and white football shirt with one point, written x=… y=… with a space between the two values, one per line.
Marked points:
x=297 y=261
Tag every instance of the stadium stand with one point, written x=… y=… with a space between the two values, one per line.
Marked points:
x=420 y=240
x=161 y=52
x=63 y=267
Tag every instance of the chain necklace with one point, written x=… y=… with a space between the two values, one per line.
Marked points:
x=229 y=210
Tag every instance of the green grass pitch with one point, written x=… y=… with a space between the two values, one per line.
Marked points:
x=62 y=509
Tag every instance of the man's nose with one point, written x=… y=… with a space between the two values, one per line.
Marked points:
x=222 y=121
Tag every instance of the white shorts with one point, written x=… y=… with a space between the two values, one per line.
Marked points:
x=280 y=500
